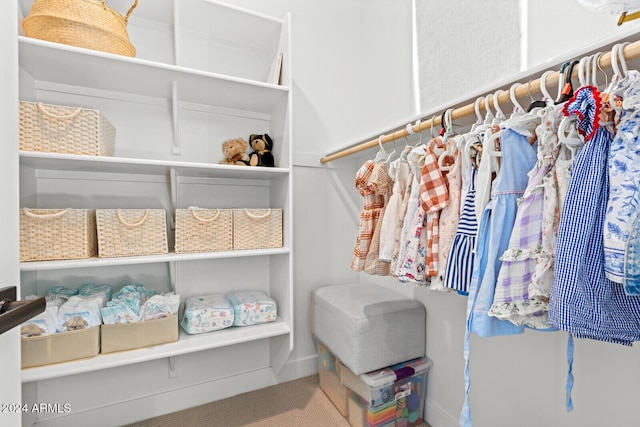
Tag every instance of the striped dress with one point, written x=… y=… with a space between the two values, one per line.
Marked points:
x=461 y=256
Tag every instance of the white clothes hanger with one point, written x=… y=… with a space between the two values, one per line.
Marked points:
x=391 y=154
x=382 y=154
x=595 y=66
x=496 y=105
x=479 y=120
x=569 y=136
x=517 y=108
x=546 y=96
x=488 y=118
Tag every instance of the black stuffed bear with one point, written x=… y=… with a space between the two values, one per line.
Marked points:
x=261 y=154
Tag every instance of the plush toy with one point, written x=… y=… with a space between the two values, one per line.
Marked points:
x=30 y=330
x=261 y=154
x=235 y=152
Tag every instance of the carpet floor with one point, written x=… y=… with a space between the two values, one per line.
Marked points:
x=298 y=403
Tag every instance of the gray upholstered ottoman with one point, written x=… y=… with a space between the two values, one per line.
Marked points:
x=368 y=327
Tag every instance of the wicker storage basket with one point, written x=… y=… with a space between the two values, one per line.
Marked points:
x=56 y=234
x=89 y=24
x=131 y=232
x=203 y=230
x=66 y=130
x=257 y=228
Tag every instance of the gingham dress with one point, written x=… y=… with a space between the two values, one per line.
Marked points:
x=372 y=204
x=583 y=301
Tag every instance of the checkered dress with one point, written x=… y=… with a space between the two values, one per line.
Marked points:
x=583 y=301
x=372 y=204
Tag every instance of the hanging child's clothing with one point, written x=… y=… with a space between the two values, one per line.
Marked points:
x=410 y=265
x=513 y=300
x=372 y=204
x=461 y=258
x=450 y=216
x=583 y=301
x=624 y=178
x=381 y=183
x=399 y=172
x=518 y=157
x=434 y=196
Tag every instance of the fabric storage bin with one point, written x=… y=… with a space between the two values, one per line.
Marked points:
x=257 y=228
x=131 y=232
x=57 y=234
x=66 y=130
x=129 y=336
x=329 y=377
x=401 y=386
x=203 y=230
x=60 y=347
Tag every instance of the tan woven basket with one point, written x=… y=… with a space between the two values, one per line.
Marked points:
x=203 y=230
x=257 y=228
x=89 y=24
x=131 y=232
x=66 y=130
x=57 y=234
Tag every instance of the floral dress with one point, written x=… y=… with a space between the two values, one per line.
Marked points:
x=583 y=301
x=400 y=173
x=623 y=163
x=411 y=256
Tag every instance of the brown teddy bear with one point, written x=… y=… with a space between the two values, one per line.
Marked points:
x=234 y=151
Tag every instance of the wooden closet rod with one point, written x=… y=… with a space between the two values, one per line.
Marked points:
x=631 y=51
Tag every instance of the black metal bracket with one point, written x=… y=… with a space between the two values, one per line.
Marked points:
x=14 y=313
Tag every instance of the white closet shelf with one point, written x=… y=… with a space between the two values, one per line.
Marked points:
x=186 y=344
x=69 y=162
x=149 y=259
x=49 y=62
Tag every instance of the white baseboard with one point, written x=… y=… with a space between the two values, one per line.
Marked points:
x=183 y=398
x=437 y=417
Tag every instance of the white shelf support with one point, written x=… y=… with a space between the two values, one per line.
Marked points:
x=173 y=373
x=174 y=268
x=173 y=179
x=176 y=148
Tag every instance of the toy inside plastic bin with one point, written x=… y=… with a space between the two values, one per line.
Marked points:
x=401 y=387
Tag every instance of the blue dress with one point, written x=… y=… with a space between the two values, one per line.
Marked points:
x=498 y=218
x=583 y=301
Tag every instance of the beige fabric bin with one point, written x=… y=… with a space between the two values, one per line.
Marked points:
x=62 y=347
x=129 y=336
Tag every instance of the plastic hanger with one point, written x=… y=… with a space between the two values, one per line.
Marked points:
x=382 y=154
x=534 y=103
x=391 y=154
x=595 y=66
x=488 y=118
x=450 y=145
x=496 y=105
x=569 y=136
x=479 y=120
x=546 y=96
x=561 y=79
x=517 y=108
x=567 y=90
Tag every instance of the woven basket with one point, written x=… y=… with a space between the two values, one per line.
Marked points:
x=56 y=234
x=66 y=130
x=89 y=24
x=131 y=232
x=204 y=230
x=257 y=228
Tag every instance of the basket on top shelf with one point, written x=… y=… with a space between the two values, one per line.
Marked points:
x=89 y=24
x=131 y=232
x=57 y=234
x=66 y=130
x=257 y=228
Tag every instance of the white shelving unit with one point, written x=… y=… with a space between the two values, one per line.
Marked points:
x=199 y=78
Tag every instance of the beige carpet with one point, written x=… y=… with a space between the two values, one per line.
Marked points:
x=299 y=403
